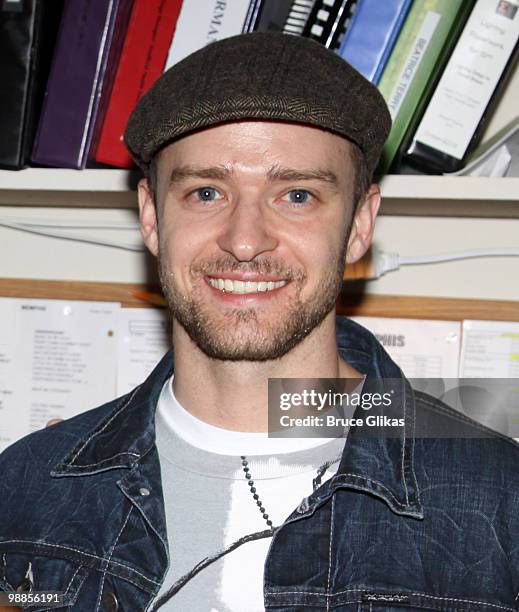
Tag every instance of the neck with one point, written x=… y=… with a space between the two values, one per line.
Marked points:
x=234 y=394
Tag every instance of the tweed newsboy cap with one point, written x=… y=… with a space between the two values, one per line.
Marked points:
x=262 y=75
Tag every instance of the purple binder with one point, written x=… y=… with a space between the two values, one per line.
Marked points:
x=83 y=52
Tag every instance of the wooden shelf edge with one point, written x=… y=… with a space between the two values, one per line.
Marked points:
x=420 y=307
x=75 y=290
x=370 y=305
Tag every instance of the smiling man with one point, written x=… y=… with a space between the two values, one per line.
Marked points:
x=250 y=223
x=258 y=153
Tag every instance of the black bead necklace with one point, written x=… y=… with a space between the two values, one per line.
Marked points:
x=245 y=466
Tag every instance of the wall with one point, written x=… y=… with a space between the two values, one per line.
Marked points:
x=24 y=255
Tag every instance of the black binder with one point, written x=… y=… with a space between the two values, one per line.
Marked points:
x=328 y=21
x=28 y=30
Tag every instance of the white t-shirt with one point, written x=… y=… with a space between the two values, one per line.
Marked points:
x=209 y=505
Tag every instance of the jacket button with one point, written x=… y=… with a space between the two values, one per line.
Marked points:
x=24 y=586
x=303 y=507
x=110 y=603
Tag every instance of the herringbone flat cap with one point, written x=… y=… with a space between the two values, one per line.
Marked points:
x=269 y=76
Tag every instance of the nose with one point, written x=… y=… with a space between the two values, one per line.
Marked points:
x=246 y=233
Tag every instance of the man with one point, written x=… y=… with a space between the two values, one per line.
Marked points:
x=258 y=153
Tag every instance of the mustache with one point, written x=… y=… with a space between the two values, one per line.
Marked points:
x=265 y=265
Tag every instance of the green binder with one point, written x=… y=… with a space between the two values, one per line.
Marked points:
x=421 y=51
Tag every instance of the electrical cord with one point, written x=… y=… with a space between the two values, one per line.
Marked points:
x=76 y=224
x=72 y=224
x=33 y=229
x=382 y=262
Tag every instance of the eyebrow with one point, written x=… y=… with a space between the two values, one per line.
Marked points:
x=274 y=173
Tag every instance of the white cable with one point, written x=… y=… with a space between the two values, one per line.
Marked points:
x=77 y=237
x=80 y=225
x=501 y=252
x=388 y=262
x=64 y=224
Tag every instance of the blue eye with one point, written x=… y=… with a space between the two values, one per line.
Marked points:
x=298 y=196
x=207 y=194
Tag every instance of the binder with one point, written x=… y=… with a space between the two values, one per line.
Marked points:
x=80 y=63
x=28 y=31
x=418 y=57
x=462 y=101
x=328 y=21
x=267 y=15
x=371 y=35
x=298 y=16
x=204 y=21
x=143 y=55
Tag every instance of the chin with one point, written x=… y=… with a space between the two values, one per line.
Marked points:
x=247 y=340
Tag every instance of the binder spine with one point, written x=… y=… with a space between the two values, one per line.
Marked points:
x=268 y=16
x=143 y=55
x=298 y=16
x=119 y=28
x=204 y=21
x=419 y=55
x=371 y=35
x=16 y=32
x=483 y=57
x=71 y=97
x=28 y=32
x=329 y=20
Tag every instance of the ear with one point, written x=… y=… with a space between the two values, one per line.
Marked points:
x=148 y=217
x=363 y=225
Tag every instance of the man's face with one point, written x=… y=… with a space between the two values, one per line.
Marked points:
x=251 y=234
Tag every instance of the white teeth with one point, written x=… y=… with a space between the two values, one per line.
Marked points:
x=240 y=287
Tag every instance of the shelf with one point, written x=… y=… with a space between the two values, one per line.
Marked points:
x=348 y=304
x=402 y=194
x=450 y=196
x=63 y=187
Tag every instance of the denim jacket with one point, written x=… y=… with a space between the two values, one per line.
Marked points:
x=408 y=522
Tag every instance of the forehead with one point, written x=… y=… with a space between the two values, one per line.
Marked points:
x=259 y=145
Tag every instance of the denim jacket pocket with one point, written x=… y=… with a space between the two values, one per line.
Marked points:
x=27 y=571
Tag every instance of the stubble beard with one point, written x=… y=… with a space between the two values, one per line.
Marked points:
x=242 y=334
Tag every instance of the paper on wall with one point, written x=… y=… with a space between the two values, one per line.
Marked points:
x=422 y=348
x=490 y=349
x=144 y=338
x=57 y=359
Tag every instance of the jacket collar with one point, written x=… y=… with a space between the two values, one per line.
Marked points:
x=127 y=433
x=381 y=463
